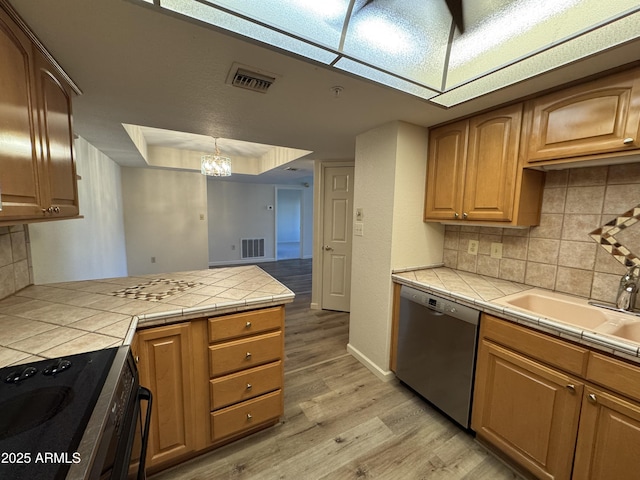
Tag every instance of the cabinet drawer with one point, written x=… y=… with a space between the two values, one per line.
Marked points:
x=614 y=374
x=244 y=385
x=246 y=415
x=245 y=353
x=245 y=323
x=558 y=353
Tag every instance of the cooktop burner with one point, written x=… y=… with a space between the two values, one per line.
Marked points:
x=44 y=409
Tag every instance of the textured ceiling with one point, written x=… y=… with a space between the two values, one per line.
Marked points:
x=138 y=66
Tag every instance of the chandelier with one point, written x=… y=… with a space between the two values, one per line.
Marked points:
x=215 y=165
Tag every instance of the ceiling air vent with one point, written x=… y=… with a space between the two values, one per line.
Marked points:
x=250 y=78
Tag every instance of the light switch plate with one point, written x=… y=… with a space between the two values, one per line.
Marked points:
x=359 y=214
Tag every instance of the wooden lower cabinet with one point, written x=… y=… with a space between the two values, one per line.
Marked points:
x=208 y=394
x=527 y=410
x=554 y=424
x=165 y=366
x=246 y=368
x=608 y=438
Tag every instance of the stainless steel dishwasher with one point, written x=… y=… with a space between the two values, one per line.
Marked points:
x=437 y=340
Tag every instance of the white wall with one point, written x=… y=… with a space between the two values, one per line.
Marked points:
x=239 y=210
x=165 y=216
x=389 y=186
x=91 y=247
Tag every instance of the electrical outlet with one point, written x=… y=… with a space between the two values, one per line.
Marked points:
x=358 y=229
x=202 y=216
x=153 y=259
x=496 y=250
x=473 y=247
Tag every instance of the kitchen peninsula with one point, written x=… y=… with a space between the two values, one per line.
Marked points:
x=209 y=345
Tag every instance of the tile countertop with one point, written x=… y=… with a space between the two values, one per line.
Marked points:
x=481 y=293
x=49 y=321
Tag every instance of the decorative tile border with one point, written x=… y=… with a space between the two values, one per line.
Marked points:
x=605 y=237
x=137 y=292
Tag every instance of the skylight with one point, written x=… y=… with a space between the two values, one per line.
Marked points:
x=414 y=46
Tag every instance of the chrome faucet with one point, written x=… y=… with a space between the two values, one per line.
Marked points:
x=628 y=290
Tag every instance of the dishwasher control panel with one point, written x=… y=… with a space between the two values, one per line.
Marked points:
x=440 y=304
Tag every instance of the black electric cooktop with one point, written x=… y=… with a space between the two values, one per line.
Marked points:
x=44 y=409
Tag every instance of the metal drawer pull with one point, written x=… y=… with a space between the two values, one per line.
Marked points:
x=249 y=386
x=248 y=355
x=249 y=417
x=592 y=398
x=248 y=325
x=571 y=387
x=464 y=215
x=455 y=215
x=627 y=141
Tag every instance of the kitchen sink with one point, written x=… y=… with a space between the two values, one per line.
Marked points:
x=576 y=312
x=564 y=308
x=629 y=331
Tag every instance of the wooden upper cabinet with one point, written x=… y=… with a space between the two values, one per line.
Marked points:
x=492 y=165
x=445 y=171
x=19 y=188
x=597 y=117
x=37 y=169
x=56 y=127
x=474 y=172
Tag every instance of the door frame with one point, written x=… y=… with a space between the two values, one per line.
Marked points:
x=319 y=177
x=302 y=217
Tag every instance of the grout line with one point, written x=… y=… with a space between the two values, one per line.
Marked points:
x=317 y=363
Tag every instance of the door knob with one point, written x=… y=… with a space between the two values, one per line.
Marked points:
x=328 y=248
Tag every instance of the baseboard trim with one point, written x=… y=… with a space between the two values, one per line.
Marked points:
x=241 y=261
x=384 y=375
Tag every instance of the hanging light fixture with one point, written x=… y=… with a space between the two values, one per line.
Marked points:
x=215 y=165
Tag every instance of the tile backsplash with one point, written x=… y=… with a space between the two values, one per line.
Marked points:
x=16 y=271
x=558 y=254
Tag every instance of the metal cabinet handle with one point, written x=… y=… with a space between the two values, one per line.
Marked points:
x=592 y=398
x=571 y=387
x=249 y=386
x=627 y=141
x=248 y=325
x=248 y=355
x=456 y=215
x=464 y=215
x=249 y=416
x=56 y=209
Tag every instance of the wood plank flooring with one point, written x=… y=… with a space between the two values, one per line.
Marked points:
x=340 y=421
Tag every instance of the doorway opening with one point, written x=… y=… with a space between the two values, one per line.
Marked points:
x=289 y=221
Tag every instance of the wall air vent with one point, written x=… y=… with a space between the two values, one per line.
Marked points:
x=250 y=78
x=252 y=247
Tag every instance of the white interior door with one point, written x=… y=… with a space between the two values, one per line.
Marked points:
x=337 y=232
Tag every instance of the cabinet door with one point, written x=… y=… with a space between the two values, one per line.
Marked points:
x=597 y=117
x=608 y=438
x=492 y=165
x=528 y=411
x=56 y=130
x=19 y=189
x=166 y=369
x=445 y=171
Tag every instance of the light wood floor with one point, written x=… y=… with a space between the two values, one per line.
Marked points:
x=340 y=421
